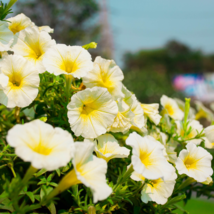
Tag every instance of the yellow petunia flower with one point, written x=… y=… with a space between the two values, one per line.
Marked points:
x=107 y=74
x=32 y=45
x=68 y=60
x=171 y=108
x=148 y=157
x=91 y=112
x=195 y=162
x=109 y=148
x=88 y=170
x=23 y=83
x=41 y=144
x=157 y=190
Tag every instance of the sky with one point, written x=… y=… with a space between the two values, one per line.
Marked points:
x=147 y=24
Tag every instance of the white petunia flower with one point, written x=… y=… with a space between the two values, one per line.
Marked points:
x=6 y=36
x=41 y=144
x=148 y=158
x=209 y=133
x=91 y=112
x=171 y=108
x=32 y=45
x=22 y=87
x=88 y=170
x=158 y=190
x=131 y=100
x=196 y=128
x=109 y=148
x=107 y=74
x=203 y=112
x=124 y=119
x=194 y=162
x=21 y=21
x=68 y=60
x=181 y=105
x=151 y=111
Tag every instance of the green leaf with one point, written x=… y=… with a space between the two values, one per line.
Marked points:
x=31 y=196
x=175 y=200
x=52 y=208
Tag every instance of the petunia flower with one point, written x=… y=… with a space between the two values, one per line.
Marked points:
x=158 y=190
x=88 y=170
x=41 y=144
x=151 y=111
x=21 y=21
x=109 y=148
x=171 y=108
x=6 y=36
x=91 y=112
x=22 y=87
x=68 y=60
x=148 y=157
x=194 y=162
x=107 y=74
x=131 y=100
x=203 y=112
x=209 y=133
x=32 y=45
x=124 y=119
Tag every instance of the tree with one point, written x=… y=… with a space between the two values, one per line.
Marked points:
x=72 y=20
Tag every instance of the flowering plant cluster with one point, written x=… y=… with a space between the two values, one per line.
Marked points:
x=74 y=139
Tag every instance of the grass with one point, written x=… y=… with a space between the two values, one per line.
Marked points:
x=197 y=206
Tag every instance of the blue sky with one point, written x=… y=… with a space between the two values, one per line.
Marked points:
x=138 y=24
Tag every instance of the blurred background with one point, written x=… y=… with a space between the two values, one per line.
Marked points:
x=163 y=47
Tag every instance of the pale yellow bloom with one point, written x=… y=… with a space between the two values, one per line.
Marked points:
x=203 y=112
x=88 y=170
x=151 y=111
x=109 y=148
x=171 y=108
x=107 y=74
x=21 y=21
x=148 y=158
x=41 y=144
x=196 y=128
x=68 y=60
x=124 y=119
x=209 y=181
x=195 y=162
x=6 y=36
x=91 y=112
x=32 y=45
x=209 y=133
x=22 y=87
x=131 y=100
x=158 y=190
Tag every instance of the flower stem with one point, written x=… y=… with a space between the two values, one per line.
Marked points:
x=17 y=112
x=68 y=79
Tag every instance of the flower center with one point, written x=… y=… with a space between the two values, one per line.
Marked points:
x=169 y=109
x=145 y=158
x=69 y=66
x=87 y=109
x=190 y=163
x=42 y=149
x=15 y=81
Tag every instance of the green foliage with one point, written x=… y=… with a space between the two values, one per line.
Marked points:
x=5 y=9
